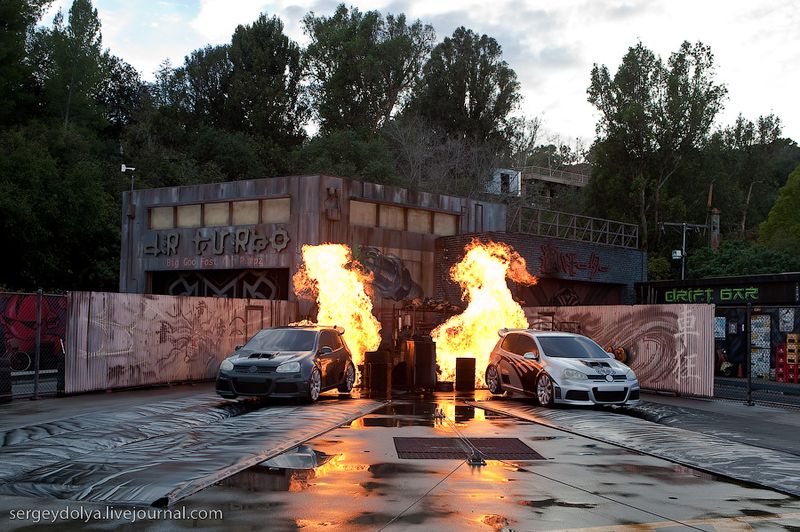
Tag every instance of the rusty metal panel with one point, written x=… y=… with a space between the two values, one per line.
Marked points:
x=123 y=340
x=670 y=347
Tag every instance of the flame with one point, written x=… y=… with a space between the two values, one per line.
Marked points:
x=473 y=333
x=342 y=290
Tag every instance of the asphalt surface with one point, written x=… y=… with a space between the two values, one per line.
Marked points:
x=347 y=475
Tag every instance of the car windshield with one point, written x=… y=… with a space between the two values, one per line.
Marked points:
x=571 y=347
x=270 y=340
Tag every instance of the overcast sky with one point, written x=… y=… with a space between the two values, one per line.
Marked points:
x=550 y=44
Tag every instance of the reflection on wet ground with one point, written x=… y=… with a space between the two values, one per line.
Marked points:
x=352 y=479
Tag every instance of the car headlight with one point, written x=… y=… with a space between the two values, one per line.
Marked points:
x=574 y=375
x=226 y=365
x=289 y=367
x=630 y=375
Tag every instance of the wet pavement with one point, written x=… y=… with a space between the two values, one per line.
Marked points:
x=351 y=478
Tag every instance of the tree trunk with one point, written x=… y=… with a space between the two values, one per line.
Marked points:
x=642 y=219
x=746 y=208
x=656 y=214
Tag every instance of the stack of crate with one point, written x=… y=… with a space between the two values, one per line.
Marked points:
x=792 y=357
x=781 y=369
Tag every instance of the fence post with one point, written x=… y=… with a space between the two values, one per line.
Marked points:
x=749 y=353
x=38 y=344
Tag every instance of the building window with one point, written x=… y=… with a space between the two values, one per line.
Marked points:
x=162 y=218
x=216 y=214
x=505 y=183
x=391 y=217
x=275 y=211
x=189 y=215
x=363 y=213
x=419 y=221
x=245 y=212
x=444 y=224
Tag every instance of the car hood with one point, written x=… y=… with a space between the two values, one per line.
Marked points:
x=596 y=366
x=273 y=358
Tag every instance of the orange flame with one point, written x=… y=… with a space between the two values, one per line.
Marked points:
x=342 y=290
x=473 y=333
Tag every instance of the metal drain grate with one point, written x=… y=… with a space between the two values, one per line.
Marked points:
x=456 y=449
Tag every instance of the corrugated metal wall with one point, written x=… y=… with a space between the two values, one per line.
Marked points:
x=121 y=340
x=670 y=347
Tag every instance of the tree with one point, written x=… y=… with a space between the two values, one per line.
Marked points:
x=653 y=117
x=781 y=229
x=736 y=257
x=362 y=66
x=468 y=90
x=266 y=96
x=17 y=18
x=71 y=64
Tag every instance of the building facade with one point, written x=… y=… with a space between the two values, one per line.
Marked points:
x=244 y=238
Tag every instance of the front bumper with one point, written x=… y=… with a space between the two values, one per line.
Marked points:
x=589 y=393
x=232 y=384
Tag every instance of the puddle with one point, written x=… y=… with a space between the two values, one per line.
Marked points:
x=548 y=503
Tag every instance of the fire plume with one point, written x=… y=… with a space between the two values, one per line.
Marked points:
x=482 y=276
x=341 y=287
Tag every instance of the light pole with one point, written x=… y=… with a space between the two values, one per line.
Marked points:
x=683 y=228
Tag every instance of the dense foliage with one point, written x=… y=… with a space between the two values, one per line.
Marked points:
x=373 y=96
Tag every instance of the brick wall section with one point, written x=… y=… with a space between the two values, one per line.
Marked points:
x=549 y=258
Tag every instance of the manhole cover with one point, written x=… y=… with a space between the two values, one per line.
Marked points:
x=455 y=448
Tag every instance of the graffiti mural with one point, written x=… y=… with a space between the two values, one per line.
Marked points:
x=670 y=347
x=271 y=283
x=18 y=330
x=124 y=340
x=392 y=278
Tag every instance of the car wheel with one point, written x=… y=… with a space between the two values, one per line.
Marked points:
x=314 y=385
x=493 y=381
x=544 y=390
x=349 y=379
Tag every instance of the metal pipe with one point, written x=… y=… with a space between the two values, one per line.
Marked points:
x=749 y=343
x=38 y=343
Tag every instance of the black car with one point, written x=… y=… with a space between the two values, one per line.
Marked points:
x=293 y=361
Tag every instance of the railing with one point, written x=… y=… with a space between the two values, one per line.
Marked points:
x=556 y=176
x=541 y=222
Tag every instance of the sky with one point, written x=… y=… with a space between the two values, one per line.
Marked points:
x=551 y=44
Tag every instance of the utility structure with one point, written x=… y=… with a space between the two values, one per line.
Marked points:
x=683 y=227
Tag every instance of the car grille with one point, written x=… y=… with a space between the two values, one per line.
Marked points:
x=224 y=385
x=603 y=377
x=609 y=397
x=634 y=395
x=577 y=395
x=252 y=388
x=245 y=368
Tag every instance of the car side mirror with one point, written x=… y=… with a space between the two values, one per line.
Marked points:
x=325 y=350
x=531 y=356
x=238 y=347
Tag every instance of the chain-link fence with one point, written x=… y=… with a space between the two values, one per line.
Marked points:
x=757 y=356
x=33 y=330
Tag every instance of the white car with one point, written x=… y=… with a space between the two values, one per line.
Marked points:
x=559 y=368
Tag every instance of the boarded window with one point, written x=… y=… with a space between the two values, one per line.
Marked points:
x=392 y=217
x=275 y=211
x=161 y=218
x=216 y=214
x=189 y=215
x=445 y=224
x=419 y=221
x=245 y=212
x=363 y=213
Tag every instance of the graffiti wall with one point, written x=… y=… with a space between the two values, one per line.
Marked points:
x=670 y=347
x=18 y=330
x=122 y=340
